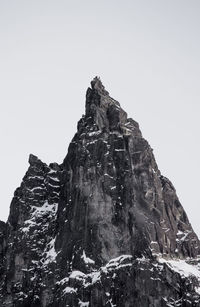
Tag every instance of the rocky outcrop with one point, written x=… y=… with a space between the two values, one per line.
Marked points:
x=30 y=235
x=105 y=228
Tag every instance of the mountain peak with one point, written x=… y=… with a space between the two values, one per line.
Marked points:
x=33 y=160
x=104 y=228
x=97 y=85
x=105 y=113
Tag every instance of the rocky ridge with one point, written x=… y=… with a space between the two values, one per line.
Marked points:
x=104 y=228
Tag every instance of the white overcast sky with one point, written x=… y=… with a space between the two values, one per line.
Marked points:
x=147 y=55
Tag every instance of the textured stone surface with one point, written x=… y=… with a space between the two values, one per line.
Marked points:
x=105 y=228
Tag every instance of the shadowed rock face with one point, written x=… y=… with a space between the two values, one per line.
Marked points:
x=105 y=228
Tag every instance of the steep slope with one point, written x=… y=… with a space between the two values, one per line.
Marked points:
x=105 y=228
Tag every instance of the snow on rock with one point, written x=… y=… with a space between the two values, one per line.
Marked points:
x=182 y=267
x=77 y=275
x=69 y=290
x=111 y=303
x=38 y=212
x=83 y=304
x=118 y=262
x=94 y=133
x=93 y=277
x=62 y=281
x=182 y=235
x=51 y=253
x=115 y=201
x=86 y=259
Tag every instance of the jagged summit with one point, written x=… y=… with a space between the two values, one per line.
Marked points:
x=104 y=113
x=97 y=85
x=33 y=160
x=104 y=228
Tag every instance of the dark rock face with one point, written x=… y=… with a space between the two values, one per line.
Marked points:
x=105 y=228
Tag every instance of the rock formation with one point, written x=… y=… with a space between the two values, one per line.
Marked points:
x=104 y=228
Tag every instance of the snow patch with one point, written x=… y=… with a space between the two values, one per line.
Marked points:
x=94 y=133
x=119 y=149
x=113 y=188
x=35 y=188
x=182 y=267
x=51 y=253
x=69 y=290
x=77 y=275
x=46 y=207
x=63 y=281
x=184 y=234
x=51 y=171
x=86 y=259
x=119 y=262
x=93 y=277
x=92 y=142
x=108 y=175
x=53 y=186
x=83 y=304
x=54 y=179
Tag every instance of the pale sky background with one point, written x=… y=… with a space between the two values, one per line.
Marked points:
x=147 y=55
